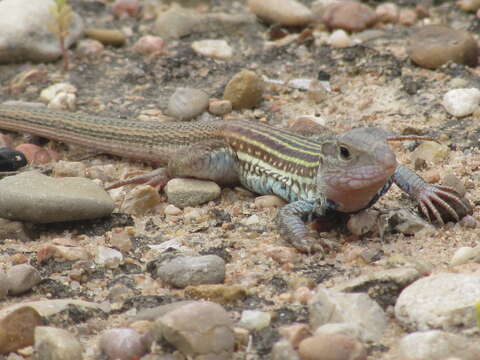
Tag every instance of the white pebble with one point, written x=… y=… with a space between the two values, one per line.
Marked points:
x=60 y=96
x=461 y=102
x=213 y=48
x=255 y=320
x=466 y=255
x=340 y=39
x=172 y=210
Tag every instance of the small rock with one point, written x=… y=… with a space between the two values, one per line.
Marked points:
x=122 y=344
x=218 y=293
x=90 y=48
x=220 y=107
x=461 y=102
x=108 y=257
x=339 y=39
x=24 y=32
x=285 y=12
x=107 y=36
x=403 y=221
x=434 y=45
x=126 y=8
x=50 y=200
x=269 y=202
x=22 y=278
x=282 y=254
x=347 y=329
x=104 y=173
x=469 y=5
x=120 y=238
x=181 y=271
x=450 y=180
x=244 y=90
x=387 y=12
x=17 y=329
x=60 y=96
x=329 y=306
x=431 y=152
x=149 y=45
x=218 y=49
x=252 y=220
x=294 y=333
x=11 y=160
x=69 y=169
x=435 y=344
x=186 y=103
x=62 y=253
x=172 y=210
x=35 y=154
x=15 y=230
x=200 y=330
x=283 y=350
x=407 y=17
x=255 y=320
x=191 y=192
x=331 y=347
x=443 y=301
x=56 y=344
x=349 y=16
x=152 y=314
x=141 y=199
x=362 y=223
x=466 y=255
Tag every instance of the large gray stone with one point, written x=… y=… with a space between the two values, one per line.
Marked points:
x=31 y=196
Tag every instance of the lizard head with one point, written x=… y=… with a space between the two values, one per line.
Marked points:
x=355 y=167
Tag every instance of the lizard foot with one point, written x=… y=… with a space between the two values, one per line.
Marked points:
x=309 y=245
x=157 y=178
x=443 y=203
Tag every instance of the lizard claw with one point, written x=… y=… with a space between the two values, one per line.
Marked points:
x=435 y=200
x=156 y=178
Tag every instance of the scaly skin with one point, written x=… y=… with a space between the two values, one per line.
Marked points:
x=346 y=173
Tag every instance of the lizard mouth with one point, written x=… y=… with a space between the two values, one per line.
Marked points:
x=353 y=191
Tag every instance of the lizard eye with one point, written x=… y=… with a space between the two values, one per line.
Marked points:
x=345 y=153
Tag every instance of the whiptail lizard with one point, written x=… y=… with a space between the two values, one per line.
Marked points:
x=346 y=173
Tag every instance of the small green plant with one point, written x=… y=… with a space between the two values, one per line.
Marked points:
x=62 y=14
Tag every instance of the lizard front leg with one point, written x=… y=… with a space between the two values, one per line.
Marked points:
x=439 y=202
x=291 y=224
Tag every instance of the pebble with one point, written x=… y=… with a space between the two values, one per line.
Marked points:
x=255 y=320
x=104 y=173
x=69 y=169
x=19 y=19
x=62 y=253
x=331 y=347
x=51 y=200
x=141 y=199
x=121 y=238
x=363 y=222
x=172 y=210
x=218 y=293
x=282 y=254
x=218 y=49
x=442 y=301
x=56 y=344
x=294 y=333
x=328 y=306
x=436 y=344
x=187 y=103
x=90 y=48
x=461 y=102
x=434 y=45
x=126 y=8
x=469 y=5
x=122 y=344
x=201 y=329
x=339 y=39
x=387 y=12
x=283 y=350
x=466 y=255
x=449 y=179
x=349 y=15
x=60 y=96
x=48 y=308
x=182 y=271
x=17 y=328
x=269 y=202
x=15 y=230
x=407 y=17
x=191 y=192
x=284 y=12
x=22 y=278
x=347 y=329
x=431 y=152
x=403 y=221
x=108 y=257
x=149 y=44
x=11 y=160
x=220 y=107
x=244 y=90
x=107 y=36
x=35 y=154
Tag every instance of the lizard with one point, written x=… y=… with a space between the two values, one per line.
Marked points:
x=317 y=177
